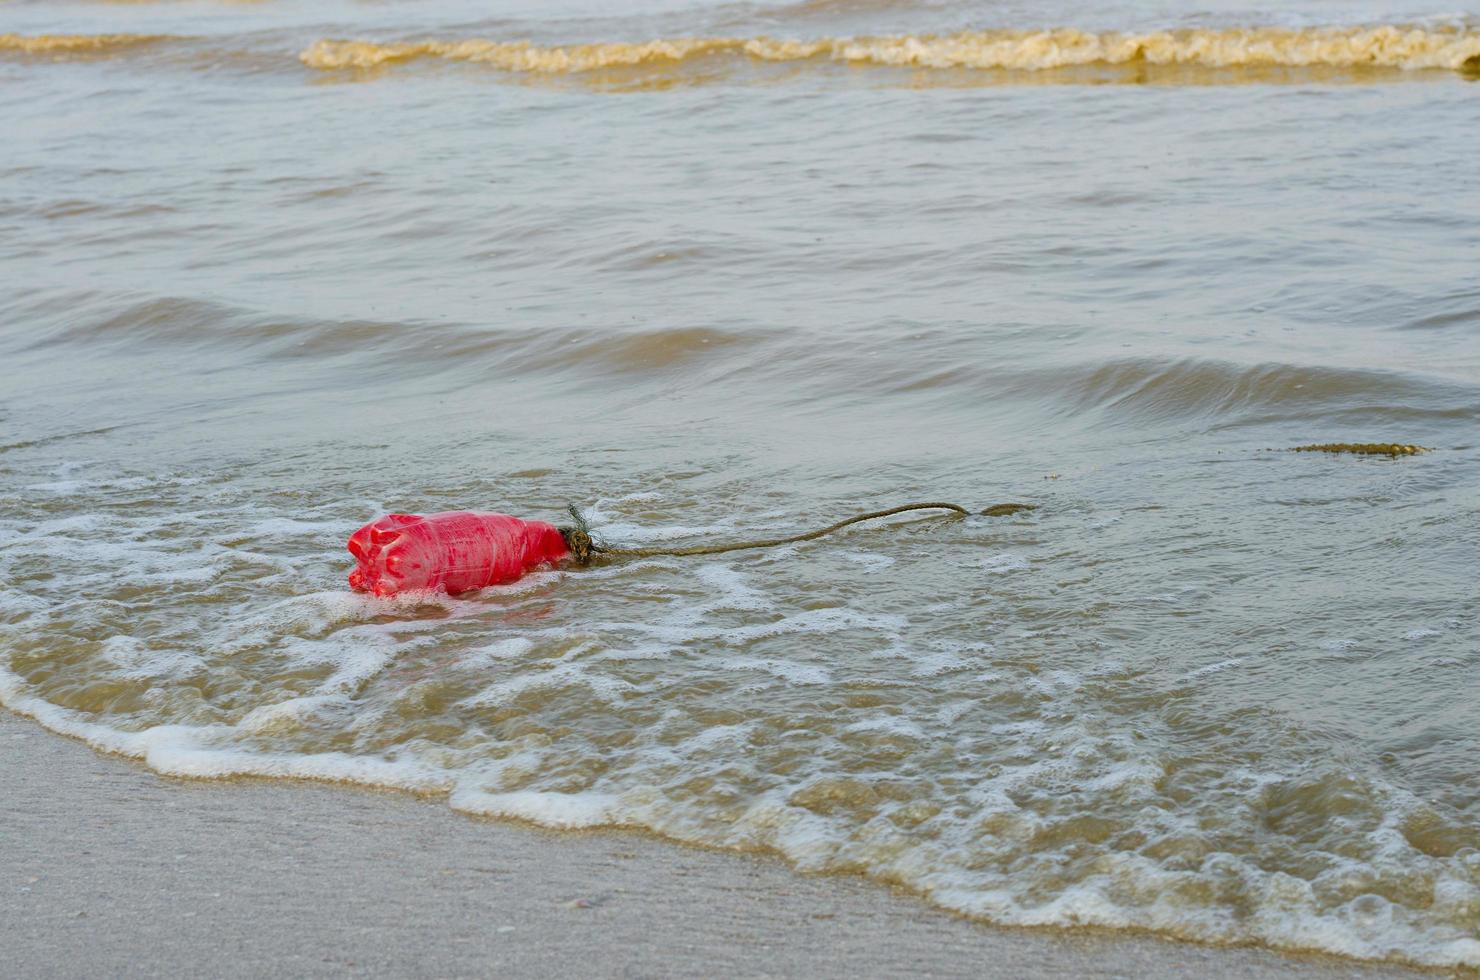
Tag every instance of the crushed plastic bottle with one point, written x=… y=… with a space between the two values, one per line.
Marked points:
x=456 y=551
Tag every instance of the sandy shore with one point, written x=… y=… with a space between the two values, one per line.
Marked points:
x=109 y=870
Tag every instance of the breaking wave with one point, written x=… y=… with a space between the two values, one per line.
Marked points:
x=1090 y=792
x=1388 y=46
x=64 y=44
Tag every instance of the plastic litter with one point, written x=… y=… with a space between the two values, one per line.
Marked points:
x=456 y=551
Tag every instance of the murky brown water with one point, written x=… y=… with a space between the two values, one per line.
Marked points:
x=1208 y=687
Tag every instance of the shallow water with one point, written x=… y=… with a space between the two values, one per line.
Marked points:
x=1208 y=687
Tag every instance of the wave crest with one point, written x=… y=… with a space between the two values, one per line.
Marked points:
x=1387 y=46
x=61 y=44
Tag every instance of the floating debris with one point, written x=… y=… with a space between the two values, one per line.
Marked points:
x=1007 y=510
x=1392 y=449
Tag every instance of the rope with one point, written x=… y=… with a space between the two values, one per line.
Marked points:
x=583 y=548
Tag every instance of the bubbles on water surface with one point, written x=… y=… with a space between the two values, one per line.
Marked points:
x=939 y=729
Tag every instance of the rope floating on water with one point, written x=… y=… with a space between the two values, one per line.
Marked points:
x=583 y=548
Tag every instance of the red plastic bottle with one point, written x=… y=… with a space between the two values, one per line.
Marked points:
x=451 y=552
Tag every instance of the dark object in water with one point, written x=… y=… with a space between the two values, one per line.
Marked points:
x=1007 y=510
x=1390 y=449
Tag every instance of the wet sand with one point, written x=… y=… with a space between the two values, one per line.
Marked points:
x=110 y=870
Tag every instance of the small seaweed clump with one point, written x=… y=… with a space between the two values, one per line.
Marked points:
x=1392 y=449
x=1007 y=510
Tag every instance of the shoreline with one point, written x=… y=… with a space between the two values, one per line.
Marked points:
x=111 y=869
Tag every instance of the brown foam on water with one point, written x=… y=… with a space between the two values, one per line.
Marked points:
x=77 y=44
x=1387 y=46
x=1250 y=50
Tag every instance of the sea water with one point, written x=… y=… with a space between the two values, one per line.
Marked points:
x=717 y=270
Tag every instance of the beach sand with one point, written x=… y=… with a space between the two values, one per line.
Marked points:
x=110 y=870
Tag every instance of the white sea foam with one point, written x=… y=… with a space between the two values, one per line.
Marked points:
x=734 y=591
x=1004 y=563
x=621 y=533
x=889 y=725
x=870 y=562
x=135 y=658
x=563 y=675
x=718 y=736
x=1213 y=668
x=286 y=715
x=786 y=670
x=941 y=657
x=1289 y=914
x=206 y=751
x=938 y=662
x=777 y=556
x=1006 y=769
x=564 y=810
x=508 y=648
